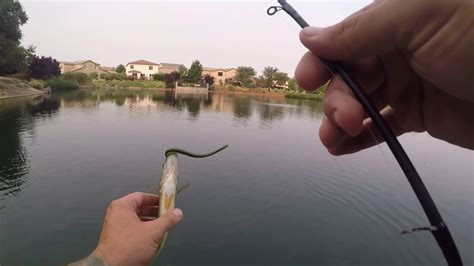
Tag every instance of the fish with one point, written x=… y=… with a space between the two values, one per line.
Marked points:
x=169 y=183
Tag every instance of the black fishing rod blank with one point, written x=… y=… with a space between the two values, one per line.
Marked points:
x=438 y=228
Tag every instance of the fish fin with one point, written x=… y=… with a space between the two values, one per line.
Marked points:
x=183 y=188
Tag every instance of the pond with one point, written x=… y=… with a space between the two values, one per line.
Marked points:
x=274 y=197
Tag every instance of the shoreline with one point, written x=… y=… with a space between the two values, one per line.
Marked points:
x=14 y=88
x=20 y=95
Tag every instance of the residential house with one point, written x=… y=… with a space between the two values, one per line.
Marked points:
x=84 y=66
x=168 y=68
x=142 y=69
x=221 y=75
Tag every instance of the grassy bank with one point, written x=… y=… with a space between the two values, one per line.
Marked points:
x=128 y=84
x=305 y=96
x=317 y=95
x=11 y=87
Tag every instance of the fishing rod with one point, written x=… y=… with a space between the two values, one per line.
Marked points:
x=438 y=228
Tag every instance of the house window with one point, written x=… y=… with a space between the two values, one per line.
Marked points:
x=142 y=75
x=151 y=76
x=220 y=74
x=150 y=67
x=134 y=75
x=131 y=66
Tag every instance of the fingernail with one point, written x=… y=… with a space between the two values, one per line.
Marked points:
x=178 y=213
x=311 y=31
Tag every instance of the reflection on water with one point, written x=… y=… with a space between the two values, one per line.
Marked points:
x=242 y=106
x=275 y=197
x=17 y=119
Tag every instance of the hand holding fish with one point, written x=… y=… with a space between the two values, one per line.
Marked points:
x=415 y=60
x=132 y=233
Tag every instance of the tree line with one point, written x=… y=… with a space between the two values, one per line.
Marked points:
x=24 y=63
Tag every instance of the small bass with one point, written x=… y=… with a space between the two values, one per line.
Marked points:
x=169 y=181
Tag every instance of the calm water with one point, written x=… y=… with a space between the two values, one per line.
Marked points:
x=275 y=197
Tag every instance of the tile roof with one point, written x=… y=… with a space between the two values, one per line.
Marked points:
x=170 y=65
x=216 y=69
x=142 y=62
x=80 y=62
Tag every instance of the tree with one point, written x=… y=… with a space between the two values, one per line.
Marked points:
x=12 y=55
x=183 y=71
x=293 y=85
x=171 y=78
x=272 y=76
x=209 y=80
x=245 y=75
x=281 y=78
x=195 y=72
x=268 y=76
x=121 y=69
x=43 y=68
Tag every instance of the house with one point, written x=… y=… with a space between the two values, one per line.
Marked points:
x=142 y=69
x=84 y=66
x=221 y=75
x=168 y=68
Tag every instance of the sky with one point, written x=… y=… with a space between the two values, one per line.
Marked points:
x=219 y=34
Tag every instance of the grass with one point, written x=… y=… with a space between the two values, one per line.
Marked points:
x=126 y=84
x=233 y=88
x=12 y=87
x=305 y=96
x=317 y=95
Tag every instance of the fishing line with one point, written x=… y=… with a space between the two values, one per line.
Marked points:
x=439 y=229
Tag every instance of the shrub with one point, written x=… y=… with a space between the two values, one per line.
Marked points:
x=61 y=84
x=93 y=75
x=39 y=85
x=78 y=78
x=209 y=80
x=159 y=77
x=171 y=78
x=112 y=76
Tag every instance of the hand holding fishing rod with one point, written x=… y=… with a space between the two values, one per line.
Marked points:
x=403 y=55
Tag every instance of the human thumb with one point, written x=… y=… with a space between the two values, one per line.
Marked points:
x=167 y=221
x=367 y=32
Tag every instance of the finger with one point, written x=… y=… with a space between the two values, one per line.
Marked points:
x=368 y=32
x=166 y=222
x=148 y=211
x=342 y=108
x=137 y=199
x=368 y=72
x=330 y=134
x=310 y=72
x=369 y=136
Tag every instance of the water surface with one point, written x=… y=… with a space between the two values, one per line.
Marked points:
x=275 y=197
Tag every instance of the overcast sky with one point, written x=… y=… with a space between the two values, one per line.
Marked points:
x=218 y=33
